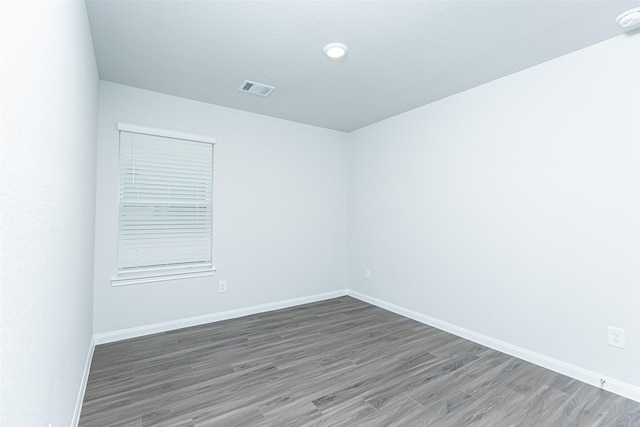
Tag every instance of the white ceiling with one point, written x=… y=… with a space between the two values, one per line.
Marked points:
x=403 y=54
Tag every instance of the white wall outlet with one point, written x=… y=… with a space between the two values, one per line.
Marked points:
x=616 y=337
x=222 y=286
x=367 y=274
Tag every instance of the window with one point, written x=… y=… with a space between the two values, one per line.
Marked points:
x=165 y=218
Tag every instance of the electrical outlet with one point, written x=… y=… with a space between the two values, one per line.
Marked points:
x=367 y=274
x=222 y=286
x=616 y=337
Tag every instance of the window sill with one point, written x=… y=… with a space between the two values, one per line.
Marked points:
x=123 y=281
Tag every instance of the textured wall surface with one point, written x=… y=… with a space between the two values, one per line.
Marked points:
x=49 y=104
x=511 y=210
x=280 y=217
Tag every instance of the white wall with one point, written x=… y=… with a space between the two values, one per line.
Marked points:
x=279 y=216
x=48 y=101
x=512 y=209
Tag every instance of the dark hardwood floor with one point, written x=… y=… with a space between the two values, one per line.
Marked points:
x=340 y=362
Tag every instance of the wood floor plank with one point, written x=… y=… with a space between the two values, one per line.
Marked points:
x=403 y=411
x=340 y=362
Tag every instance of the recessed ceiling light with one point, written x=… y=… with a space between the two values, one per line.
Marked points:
x=629 y=19
x=336 y=50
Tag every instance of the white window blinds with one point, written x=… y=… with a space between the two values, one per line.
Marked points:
x=166 y=203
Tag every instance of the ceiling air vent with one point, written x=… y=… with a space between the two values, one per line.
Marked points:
x=256 y=88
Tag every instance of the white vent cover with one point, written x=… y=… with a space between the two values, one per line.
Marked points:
x=256 y=88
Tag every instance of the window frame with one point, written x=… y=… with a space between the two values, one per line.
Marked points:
x=158 y=275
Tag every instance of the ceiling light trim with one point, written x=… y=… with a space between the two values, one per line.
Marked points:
x=336 y=51
x=629 y=19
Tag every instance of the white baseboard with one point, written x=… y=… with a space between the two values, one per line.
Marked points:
x=155 y=328
x=83 y=384
x=593 y=378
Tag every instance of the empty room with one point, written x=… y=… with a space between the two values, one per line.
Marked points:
x=320 y=213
